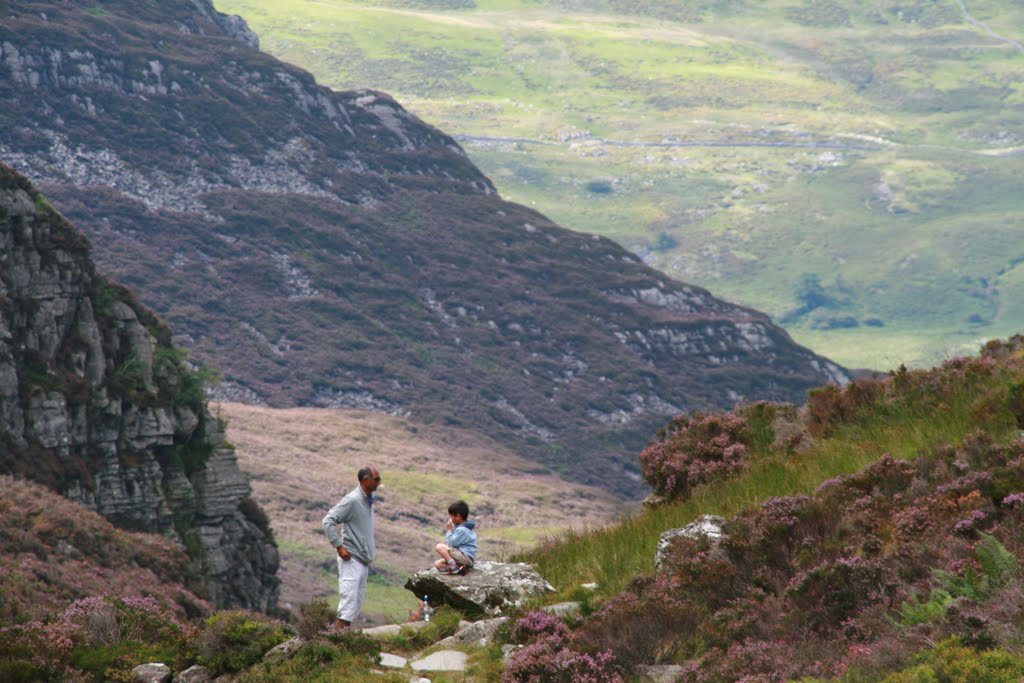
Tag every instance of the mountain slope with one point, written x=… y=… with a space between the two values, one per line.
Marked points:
x=848 y=167
x=330 y=249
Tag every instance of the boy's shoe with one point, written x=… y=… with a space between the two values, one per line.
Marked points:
x=453 y=567
x=462 y=570
x=445 y=570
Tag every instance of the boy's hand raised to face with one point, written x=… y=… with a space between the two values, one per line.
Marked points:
x=449 y=526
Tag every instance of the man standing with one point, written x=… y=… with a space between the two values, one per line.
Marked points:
x=355 y=546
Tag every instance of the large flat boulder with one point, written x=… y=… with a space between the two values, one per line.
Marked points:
x=490 y=588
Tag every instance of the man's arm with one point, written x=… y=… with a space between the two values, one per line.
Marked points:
x=337 y=515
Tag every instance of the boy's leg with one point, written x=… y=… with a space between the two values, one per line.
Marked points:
x=463 y=560
x=446 y=564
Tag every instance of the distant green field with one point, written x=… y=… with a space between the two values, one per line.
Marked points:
x=852 y=168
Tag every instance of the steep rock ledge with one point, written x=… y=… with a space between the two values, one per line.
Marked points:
x=96 y=404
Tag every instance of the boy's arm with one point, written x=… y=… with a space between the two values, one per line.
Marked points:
x=457 y=537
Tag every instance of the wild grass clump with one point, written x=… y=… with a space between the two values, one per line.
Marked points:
x=313 y=620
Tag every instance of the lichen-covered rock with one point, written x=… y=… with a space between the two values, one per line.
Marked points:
x=704 y=527
x=491 y=588
x=97 y=404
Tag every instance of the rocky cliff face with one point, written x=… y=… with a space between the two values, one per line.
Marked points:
x=330 y=249
x=96 y=404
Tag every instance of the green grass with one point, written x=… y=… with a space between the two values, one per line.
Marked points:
x=927 y=96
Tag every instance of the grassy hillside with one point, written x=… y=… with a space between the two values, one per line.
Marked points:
x=874 y=531
x=849 y=168
x=302 y=461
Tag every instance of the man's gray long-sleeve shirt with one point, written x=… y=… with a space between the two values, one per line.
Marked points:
x=356 y=513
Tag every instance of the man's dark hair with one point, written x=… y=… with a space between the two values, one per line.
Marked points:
x=459 y=507
x=365 y=473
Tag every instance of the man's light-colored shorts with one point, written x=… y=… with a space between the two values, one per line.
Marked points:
x=351 y=588
x=461 y=558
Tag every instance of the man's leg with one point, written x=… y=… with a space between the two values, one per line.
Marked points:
x=350 y=592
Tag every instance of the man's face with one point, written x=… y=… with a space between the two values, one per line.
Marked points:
x=371 y=483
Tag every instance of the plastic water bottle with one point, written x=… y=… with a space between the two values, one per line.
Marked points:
x=427 y=609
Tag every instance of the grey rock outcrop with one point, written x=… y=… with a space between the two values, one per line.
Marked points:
x=707 y=527
x=491 y=588
x=152 y=673
x=97 y=404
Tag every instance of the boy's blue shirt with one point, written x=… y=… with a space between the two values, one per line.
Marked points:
x=463 y=538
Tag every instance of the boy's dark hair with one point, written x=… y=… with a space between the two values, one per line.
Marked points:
x=459 y=507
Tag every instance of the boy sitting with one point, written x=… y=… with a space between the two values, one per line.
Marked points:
x=458 y=552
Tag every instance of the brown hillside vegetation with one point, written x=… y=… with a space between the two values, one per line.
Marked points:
x=302 y=460
x=54 y=551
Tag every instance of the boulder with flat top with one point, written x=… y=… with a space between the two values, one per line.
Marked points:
x=489 y=589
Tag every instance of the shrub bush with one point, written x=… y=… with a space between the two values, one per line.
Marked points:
x=952 y=662
x=232 y=640
x=314 y=619
x=36 y=651
x=695 y=450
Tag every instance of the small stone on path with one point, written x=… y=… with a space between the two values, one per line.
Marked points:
x=442 y=660
x=392 y=661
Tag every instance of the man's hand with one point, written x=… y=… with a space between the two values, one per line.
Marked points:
x=343 y=553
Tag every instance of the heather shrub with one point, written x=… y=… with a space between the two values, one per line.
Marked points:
x=650 y=622
x=830 y=406
x=547 y=654
x=546 y=661
x=837 y=589
x=36 y=651
x=695 y=450
x=232 y=640
x=115 y=634
x=538 y=624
